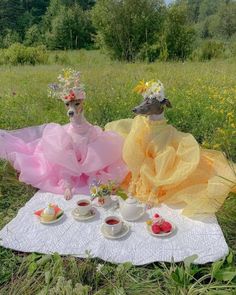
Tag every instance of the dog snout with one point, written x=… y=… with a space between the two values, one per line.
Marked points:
x=71 y=113
x=134 y=110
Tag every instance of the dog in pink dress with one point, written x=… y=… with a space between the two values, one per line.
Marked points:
x=65 y=159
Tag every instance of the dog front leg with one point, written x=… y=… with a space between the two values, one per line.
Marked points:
x=68 y=194
x=67 y=188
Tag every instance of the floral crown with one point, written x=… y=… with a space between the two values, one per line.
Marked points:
x=151 y=89
x=68 y=87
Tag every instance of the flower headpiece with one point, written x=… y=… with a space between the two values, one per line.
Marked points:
x=68 y=87
x=151 y=89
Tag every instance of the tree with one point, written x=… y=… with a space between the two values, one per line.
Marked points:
x=36 y=8
x=69 y=28
x=84 y=4
x=193 y=8
x=10 y=11
x=208 y=7
x=179 y=34
x=33 y=36
x=210 y=27
x=10 y=37
x=227 y=22
x=124 y=26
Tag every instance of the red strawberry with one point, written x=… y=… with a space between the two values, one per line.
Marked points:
x=156 y=215
x=166 y=227
x=156 y=228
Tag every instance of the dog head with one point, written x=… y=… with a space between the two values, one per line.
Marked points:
x=154 y=98
x=74 y=108
x=152 y=106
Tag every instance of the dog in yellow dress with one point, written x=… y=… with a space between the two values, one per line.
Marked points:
x=167 y=165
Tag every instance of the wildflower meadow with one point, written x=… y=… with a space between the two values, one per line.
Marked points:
x=203 y=96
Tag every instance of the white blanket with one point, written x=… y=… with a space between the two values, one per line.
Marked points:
x=25 y=233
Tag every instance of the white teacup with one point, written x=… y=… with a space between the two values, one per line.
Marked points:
x=84 y=206
x=113 y=225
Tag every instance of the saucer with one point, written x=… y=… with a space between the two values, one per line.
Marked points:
x=52 y=221
x=78 y=216
x=161 y=234
x=124 y=231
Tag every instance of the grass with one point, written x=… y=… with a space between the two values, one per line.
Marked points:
x=203 y=98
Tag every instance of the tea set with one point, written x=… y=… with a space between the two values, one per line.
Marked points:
x=113 y=227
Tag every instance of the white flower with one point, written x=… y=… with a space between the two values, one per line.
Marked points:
x=155 y=90
x=99 y=267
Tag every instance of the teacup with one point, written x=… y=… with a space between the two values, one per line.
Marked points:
x=113 y=225
x=84 y=206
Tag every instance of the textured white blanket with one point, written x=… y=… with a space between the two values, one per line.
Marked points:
x=25 y=233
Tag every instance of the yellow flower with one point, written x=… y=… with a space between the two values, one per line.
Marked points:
x=66 y=74
x=149 y=222
x=93 y=191
x=143 y=86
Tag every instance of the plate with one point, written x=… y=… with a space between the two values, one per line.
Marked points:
x=77 y=216
x=161 y=234
x=124 y=231
x=53 y=221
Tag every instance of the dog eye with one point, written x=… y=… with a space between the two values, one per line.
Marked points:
x=77 y=104
x=67 y=104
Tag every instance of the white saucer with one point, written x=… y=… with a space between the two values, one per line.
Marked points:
x=53 y=221
x=124 y=231
x=77 y=216
x=161 y=234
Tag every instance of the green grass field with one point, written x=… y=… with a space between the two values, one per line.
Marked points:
x=203 y=96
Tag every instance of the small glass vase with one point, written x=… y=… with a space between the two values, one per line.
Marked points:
x=104 y=200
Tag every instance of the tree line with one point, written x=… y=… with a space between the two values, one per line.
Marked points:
x=126 y=29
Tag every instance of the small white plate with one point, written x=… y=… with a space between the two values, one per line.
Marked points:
x=77 y=216
x=53 y=221
x=124 y=231
x=161 y=234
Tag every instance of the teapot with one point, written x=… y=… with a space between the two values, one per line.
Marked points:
x=131 y=209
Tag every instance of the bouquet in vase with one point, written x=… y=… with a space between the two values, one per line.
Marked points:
x=102 y=192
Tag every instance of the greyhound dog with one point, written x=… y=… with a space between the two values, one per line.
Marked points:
x=153 y=106
x=76 y=115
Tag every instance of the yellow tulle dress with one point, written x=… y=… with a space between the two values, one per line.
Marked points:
x=169 y=166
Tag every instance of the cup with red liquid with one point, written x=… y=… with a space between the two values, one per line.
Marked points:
x=113 y=225
x=84 y=207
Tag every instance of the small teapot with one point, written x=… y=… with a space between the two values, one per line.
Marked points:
x=131 y=209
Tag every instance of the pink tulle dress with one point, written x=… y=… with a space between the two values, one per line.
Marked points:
x=52 y=157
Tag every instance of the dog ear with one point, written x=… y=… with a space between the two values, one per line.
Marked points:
x=167 y=103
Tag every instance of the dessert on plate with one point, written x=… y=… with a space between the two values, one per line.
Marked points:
x=158 y=225
x=50 y=213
